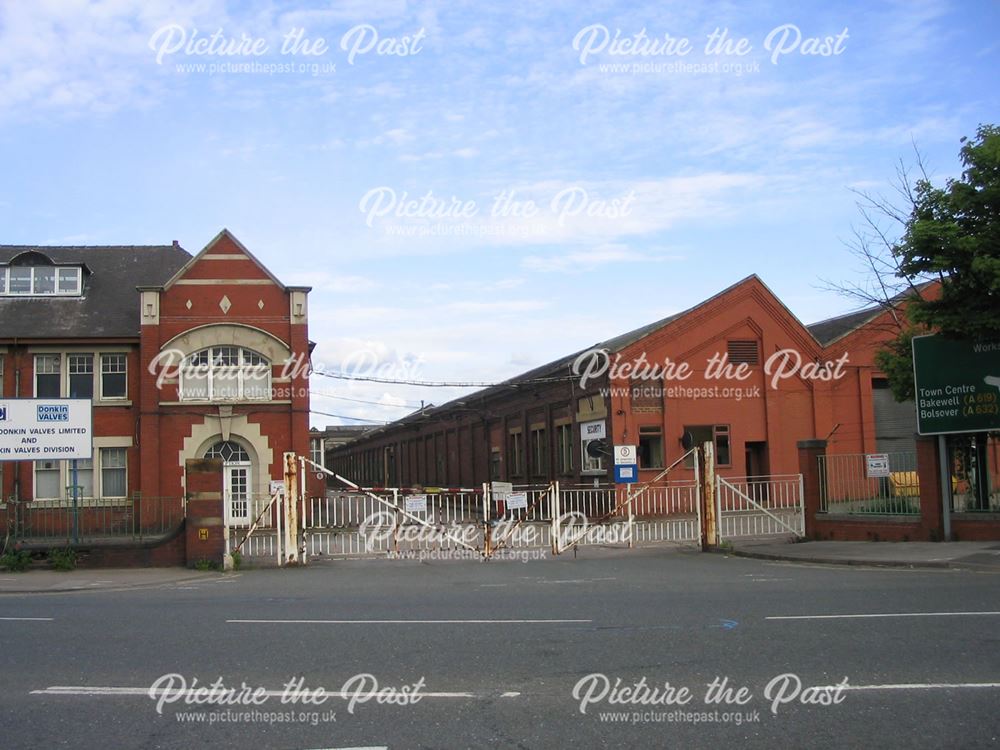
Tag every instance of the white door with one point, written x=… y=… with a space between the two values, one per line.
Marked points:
x=237 y=489
x=237 y=470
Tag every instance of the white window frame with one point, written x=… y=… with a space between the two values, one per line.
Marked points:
x=210 y=371
x=32 y=292
x=101 y=453
x=35 y=373
x=100 y=376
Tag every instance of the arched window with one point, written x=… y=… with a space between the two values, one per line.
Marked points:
x=225 y=373
x=229 y=452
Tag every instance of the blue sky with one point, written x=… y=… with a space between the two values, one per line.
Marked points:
x=654 y=186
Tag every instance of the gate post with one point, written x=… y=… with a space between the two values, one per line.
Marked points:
x=710 y=533
x=812 y=481
x=291 y=507
x=554 y=523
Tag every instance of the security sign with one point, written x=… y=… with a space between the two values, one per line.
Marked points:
x=33 y=429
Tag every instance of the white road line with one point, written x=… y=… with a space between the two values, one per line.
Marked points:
x=883 y=614
x=99 y=690
x=918 y=686
x=407 y=622
x=26 y=619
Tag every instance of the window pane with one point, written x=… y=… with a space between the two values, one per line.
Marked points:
x=69 y=280
x=47 y=376
x=84 y=477
x=650 y=448
x=113 y=376
x=194 y=377
x=46 y=479
x=255 y=382
x=81 y=375
x=45 y=280
x=113 y=480
x=20 y=280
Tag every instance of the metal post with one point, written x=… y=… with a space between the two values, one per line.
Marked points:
x=277 y=527
x=76 y=503
x=555 y=529
x=631 y=515
x=301 y=515
x=945 y=487
x=698 y=494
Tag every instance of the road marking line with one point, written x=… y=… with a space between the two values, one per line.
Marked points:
x=26 y=619
x=408 y=622
x=916 y=686
x=98 y=690
x=882 y=614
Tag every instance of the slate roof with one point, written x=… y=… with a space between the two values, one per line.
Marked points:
x=109 y=307
x=829 y=330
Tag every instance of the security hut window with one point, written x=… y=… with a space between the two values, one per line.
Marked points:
x=225 y=373
x=47 y=376
x=717 y=434
x=651 y=447
x=743 y=352
x=316 y=450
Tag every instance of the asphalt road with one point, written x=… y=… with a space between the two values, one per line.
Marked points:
x=510 y=654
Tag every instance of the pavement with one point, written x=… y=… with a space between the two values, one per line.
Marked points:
x=982 y=556
x=107 y=579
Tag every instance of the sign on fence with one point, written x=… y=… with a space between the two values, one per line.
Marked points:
x=957 y=385
x=415 y=503
x=877 y=465
x=33 y=429
x=517 y=501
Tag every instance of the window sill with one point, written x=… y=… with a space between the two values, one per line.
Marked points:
x=112 y=402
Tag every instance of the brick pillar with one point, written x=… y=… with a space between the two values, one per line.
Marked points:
x=205 y=530
x=809 y=453
x=929 y=476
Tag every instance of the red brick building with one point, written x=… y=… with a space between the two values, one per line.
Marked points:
x=183 y=357
x=757 y=381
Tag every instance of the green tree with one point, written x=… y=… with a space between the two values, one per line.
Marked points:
x=950 y=235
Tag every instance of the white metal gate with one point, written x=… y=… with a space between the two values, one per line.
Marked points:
x=766 y=506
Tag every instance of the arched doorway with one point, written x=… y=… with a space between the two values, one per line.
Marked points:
x=237 y=472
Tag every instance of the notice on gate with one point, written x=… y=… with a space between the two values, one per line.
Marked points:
x=877 y=465
x=33 y=429
x=500 y=490
x=415 y=503
x=517 y=501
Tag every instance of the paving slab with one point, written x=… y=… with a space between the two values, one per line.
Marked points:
x=967 y=555
x=54 y=581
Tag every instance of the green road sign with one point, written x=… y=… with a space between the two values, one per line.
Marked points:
x=957 y=385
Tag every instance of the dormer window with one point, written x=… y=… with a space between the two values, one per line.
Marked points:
x=41 y=281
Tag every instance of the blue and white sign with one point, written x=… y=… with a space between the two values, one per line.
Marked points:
x=33 y=429
x=626 y=473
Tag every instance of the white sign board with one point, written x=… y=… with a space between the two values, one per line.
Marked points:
x=517 y=500
x=277 y=487
x=592 y=430
x=624 y=455
x=416 y=503
x=500 y=490
x=33 y=429
x=877 y=465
